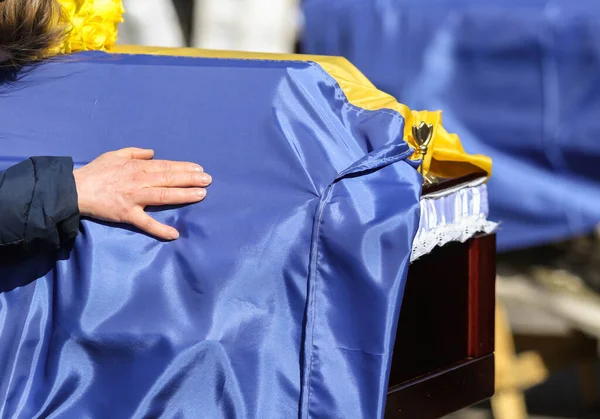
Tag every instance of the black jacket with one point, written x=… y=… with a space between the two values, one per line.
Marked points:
x=38 y=204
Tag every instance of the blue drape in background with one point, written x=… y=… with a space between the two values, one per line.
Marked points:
x=281 y=298
x=519 y=81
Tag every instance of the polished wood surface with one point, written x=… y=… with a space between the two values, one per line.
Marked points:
x=433 y=324
x=444 y=391
x=449 y=183
x=482 y=295
x=443 y=357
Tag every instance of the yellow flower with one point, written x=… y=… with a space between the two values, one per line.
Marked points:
x=92 y=24
x=98 y=36
x=110 y=10
x=69 y=6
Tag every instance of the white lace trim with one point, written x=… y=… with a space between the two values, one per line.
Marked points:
x=442 y=235
x=454 y=217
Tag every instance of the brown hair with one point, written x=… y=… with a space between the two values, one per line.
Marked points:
x=28 y=29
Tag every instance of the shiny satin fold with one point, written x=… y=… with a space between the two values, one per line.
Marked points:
x=516 y=80
x=281 y=297
x=445 y=158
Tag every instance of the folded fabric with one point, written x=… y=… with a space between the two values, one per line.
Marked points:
x=446 y=157
x=517 y=80
x=282 y=295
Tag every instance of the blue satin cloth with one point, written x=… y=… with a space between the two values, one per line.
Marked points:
x=518 y=81
x=281 y=297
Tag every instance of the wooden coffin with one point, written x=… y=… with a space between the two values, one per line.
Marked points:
x=443 y=358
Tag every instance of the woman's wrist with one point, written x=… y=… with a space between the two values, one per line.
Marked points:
x=82 y=203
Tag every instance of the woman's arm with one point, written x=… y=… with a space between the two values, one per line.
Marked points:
x=41 y=198
x=38 y=203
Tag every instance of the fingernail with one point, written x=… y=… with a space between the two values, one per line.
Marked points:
x=200 y=193
x=198 y=169
x=174 y=235
x=206 y=178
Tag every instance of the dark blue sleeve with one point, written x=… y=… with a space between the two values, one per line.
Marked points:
x=38 y=204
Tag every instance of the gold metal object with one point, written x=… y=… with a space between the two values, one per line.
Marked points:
x=423 y=134
x=430 y=179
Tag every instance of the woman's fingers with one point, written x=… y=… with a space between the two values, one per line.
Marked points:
x=153 y=166
x=160 y=197
x=177 y=179
x=135 y=153
x=149 y=225
x=170 y=196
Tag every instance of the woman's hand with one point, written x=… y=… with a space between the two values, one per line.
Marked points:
x=117 y=187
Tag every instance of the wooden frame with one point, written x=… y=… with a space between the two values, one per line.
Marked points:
x=443 y=359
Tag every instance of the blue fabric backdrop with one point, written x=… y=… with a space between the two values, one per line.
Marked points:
x=517 y=80
x=281 y=298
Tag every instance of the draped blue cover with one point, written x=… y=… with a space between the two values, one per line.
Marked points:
x=281 y=298
x=518 y=80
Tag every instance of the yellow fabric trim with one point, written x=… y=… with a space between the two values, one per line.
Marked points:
x=446 y=157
